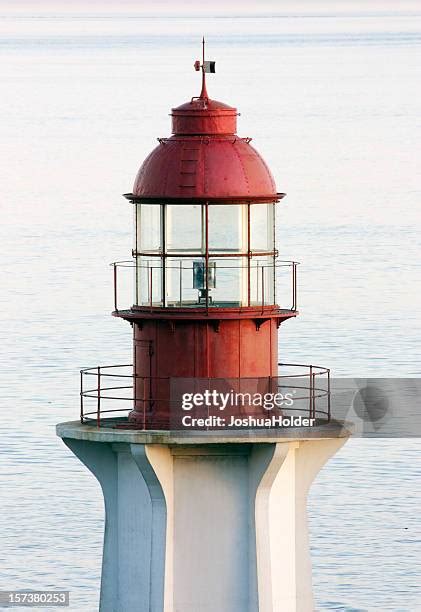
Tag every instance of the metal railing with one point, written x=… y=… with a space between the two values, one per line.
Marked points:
x=174 y=285
x=116 y=384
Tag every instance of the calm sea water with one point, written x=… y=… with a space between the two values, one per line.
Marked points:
x=332 y=103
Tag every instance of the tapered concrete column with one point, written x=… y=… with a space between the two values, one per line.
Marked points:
x=283 y=552
x=206 y=522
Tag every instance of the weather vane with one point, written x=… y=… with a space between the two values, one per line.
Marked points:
x=205 y=66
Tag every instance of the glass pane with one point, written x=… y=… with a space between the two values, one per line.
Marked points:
x=230 y=282
x=148 y=281
x=284 y=284
x=148 y=227
x=228 y=228
x=184 y=227
x=262 y=279
x=261 y=227
x=186 y=282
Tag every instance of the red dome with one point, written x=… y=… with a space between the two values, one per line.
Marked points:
x=204 y=159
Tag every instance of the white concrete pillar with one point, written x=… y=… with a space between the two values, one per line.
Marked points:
x=205 y=527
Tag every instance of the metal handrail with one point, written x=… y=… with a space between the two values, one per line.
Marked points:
x=131 y=263
x=99 y=392
x=179 y=268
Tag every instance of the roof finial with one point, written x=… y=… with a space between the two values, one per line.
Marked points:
x=203 y=93
x=205 y=66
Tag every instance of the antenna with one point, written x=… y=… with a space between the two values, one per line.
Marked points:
x=205 y=66
x=203 y=93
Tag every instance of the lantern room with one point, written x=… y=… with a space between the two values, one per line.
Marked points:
x=218 y=255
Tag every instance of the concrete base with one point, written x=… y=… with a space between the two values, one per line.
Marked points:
x=205 y=525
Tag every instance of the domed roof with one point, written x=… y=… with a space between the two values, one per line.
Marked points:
x=206 y=168
x=204 y=159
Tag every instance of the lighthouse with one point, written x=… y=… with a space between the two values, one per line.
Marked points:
x=205 y=446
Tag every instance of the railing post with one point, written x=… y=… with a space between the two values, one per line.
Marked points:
x=207 y=256
x=294 y=285
x=115 y=286
x=163 y=281
x=81 y=396
x=263 y=287
x=98 y=405
x=181 y=282
x=150 y=287
x=328 y=396
x=311 y=393
x=314 y=395
x=144 y=402
x=257 y=282
x=136 y=280
x=249 y=255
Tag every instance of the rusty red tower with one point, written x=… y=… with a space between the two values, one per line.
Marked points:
x=205 y=258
